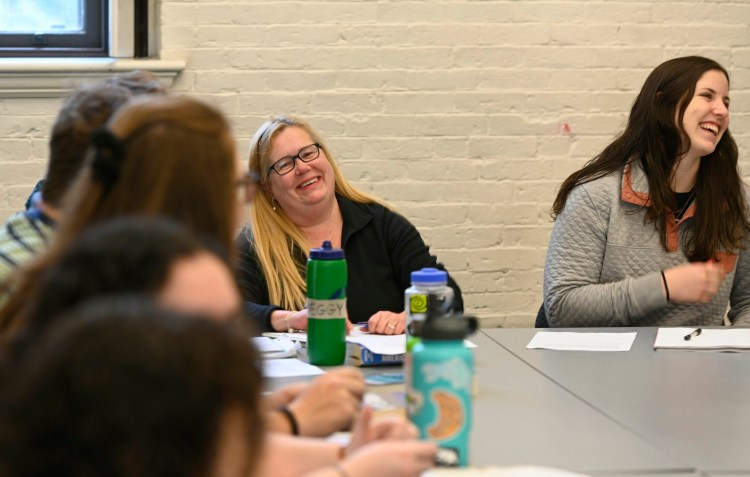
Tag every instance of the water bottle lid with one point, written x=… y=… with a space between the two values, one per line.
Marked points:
x=446 y=328
x=327 y=252
x=429 y=275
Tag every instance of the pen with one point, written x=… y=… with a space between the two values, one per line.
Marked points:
x=363 y=326
x=693 y=334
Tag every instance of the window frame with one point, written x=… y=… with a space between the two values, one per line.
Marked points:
x=94 y=42
x=55 y=77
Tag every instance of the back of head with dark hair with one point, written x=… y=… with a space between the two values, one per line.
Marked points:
x=164 y=155
x=122 y=388
x=87 y=109
x=138 y=82
x=170 y=155
x=132 y=255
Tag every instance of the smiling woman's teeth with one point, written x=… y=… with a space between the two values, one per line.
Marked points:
x=710 y=127
x=311 y=181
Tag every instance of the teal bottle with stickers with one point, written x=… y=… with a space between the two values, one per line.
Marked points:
x=439 y=389
x=326 y=306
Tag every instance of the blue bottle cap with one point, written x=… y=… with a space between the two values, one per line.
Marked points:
x=429 y=275
x=327 y=252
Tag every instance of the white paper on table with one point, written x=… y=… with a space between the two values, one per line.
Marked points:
x=512 y=471
x=300 y=336
x=265 y=344
x=732 y=339
x=285 y=368
x=379 y=344
x=579 y=341
x=276 y=348
x=385 y=344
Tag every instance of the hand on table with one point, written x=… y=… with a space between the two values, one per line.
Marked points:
x=329 y=403
x=296 y=320
x=387 y=323
x=392 y=458
x=390 y=438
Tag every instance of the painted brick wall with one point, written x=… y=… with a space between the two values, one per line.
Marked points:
x=464 y=114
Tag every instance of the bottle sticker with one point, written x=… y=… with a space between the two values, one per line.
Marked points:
x=449 y=415
x=455 y=371
x=418 y=304
x=326 y=309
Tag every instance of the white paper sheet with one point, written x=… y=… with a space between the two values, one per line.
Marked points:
x=265 y=344
x=285 y=368
x=730 y=339
x=276 y=348
x=580 y=341
x=379 y=344
x=514 y=471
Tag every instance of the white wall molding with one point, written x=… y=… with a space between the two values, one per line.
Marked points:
x=56 y=77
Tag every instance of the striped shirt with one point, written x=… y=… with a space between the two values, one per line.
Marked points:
x=24 y=236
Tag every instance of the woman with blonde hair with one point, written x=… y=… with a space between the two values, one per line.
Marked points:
x=303 y=200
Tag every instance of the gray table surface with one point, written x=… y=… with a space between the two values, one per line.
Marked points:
x=694 y=406
x=523 y=417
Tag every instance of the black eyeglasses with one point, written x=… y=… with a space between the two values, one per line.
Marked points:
x=247 y=186
x=285 y=165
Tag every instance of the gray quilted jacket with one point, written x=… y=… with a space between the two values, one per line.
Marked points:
x=603 y=264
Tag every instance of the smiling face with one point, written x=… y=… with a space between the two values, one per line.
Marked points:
x=706 y=117
x=309 y=184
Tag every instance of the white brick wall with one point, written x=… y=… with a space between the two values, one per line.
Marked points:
x=464 y=114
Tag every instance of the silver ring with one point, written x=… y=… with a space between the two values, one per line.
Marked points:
x=391 y=326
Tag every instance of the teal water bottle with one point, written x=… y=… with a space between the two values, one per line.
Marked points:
x=326 y=306
x=439 y=392
x=429 y=288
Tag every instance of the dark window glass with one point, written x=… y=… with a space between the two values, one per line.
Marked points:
x=53 y=28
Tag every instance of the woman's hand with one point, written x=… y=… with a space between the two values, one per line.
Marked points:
x=329 y=403
x=696 y=282
x=387 y=323
x=284 y=321
x=366 y=430
x=392 y=458
x=392 y=438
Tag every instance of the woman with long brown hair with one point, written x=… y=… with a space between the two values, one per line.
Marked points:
x=160 y=156
x=653 y=231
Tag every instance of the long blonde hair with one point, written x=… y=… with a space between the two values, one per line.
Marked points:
x=275 y=238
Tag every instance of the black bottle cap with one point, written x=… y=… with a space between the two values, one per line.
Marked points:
x=445 y=328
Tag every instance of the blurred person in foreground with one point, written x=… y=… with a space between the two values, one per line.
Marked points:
x=124 y=389
x=25 y=234
x=159 y=259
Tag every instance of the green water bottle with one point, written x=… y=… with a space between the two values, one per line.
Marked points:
x=326 y=306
